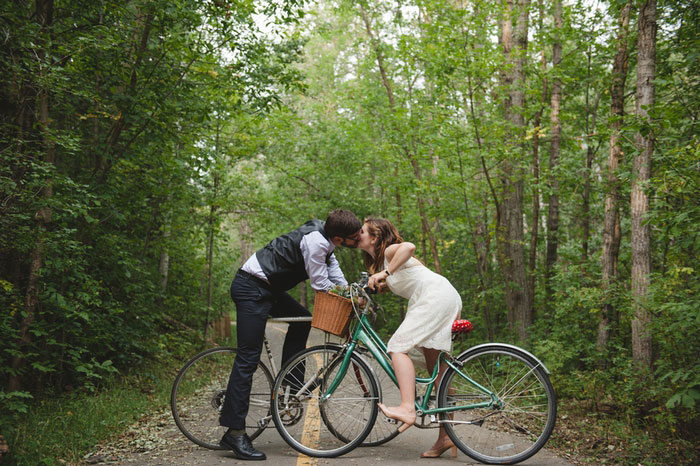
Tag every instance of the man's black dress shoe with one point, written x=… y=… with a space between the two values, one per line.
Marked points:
x=242 y=447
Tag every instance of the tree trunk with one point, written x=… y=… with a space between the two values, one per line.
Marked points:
x=164 y=263
x=554 y=153
x=639 y=199
x=535 y=223
x=425 y=224
x=590 y=155
x=210 y=257
x=611 y=235
x=511 y=233
x=244 y=234
x=44 y=16
x=210 y=244
x=480 y=236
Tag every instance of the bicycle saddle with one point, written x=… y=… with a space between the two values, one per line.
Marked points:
x=461 y=326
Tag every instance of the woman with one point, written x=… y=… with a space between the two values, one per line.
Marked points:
x=433 y=304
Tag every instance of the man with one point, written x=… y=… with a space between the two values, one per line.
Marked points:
x=259 y=290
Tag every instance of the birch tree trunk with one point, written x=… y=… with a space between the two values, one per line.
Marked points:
x=611 y=235
x=639 y=198
x=535 y=222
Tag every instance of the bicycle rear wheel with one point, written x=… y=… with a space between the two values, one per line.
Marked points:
x=198 y=392
x=521 y=419
x=324 y=427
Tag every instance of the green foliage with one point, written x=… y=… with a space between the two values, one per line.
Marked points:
x=179 y=136
x=66 y=427
x=149 y=105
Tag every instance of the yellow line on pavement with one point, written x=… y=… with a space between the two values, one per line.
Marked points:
x=312 y=428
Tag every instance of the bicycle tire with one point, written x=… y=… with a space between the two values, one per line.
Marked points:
x=198 y=394
x=522 y=422
x=324 y=428
x=389 y=394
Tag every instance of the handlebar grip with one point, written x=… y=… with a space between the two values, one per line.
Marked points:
x=369 y=290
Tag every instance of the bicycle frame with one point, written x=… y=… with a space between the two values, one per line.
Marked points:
x=495 y=401
x=363 y=334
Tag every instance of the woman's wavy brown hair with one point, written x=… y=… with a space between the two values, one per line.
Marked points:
x=386 y=235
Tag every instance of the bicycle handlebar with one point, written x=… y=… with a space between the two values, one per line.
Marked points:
x=359 y=289
x=363 y=284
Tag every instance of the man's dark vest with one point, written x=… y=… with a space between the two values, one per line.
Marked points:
x=281 y=260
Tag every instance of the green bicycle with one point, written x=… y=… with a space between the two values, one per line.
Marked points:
x=495 y=400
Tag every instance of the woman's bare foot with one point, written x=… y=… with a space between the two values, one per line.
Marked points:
x=442 y=444
x=407 y=417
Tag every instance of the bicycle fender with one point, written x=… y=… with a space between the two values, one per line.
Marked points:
x=506 y=345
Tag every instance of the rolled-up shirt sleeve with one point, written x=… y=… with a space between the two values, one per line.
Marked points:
x=315 y=249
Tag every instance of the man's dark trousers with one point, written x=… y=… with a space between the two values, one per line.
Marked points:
x=255 y=301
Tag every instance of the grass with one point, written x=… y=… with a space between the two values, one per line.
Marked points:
x=63 y=429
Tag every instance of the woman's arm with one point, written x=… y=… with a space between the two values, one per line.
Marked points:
x=396 y=255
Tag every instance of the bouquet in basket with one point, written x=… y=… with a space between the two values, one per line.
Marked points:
x=344 y=292
x=341 y=290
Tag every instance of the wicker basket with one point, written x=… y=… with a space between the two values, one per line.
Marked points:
x=332 y=313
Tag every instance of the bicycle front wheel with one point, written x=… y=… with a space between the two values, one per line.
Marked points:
x=318 y=426
x=383 y=431
x=517 y=410
x=198 y=396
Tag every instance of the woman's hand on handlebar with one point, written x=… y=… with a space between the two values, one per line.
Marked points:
x=377 y=282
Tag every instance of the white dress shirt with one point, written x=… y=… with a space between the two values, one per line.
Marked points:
x=314 y=248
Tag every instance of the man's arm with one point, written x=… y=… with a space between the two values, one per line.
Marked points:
x=334 y=273
x=315 y=249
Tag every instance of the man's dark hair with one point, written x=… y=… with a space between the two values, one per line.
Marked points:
x=342 y=223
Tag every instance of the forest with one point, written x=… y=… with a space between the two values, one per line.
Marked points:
x=543 y=155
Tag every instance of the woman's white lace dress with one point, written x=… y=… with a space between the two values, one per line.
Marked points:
x=433 y=304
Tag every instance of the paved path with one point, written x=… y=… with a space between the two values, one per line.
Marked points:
x=158 y=442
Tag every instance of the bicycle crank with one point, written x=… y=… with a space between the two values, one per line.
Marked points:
x=290 y=410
